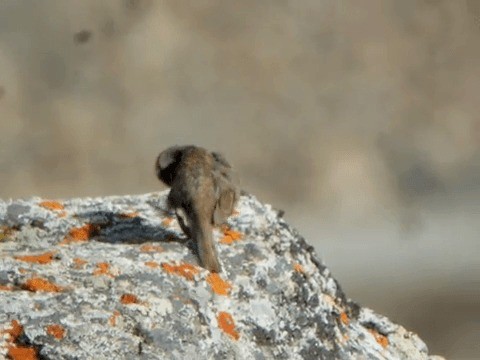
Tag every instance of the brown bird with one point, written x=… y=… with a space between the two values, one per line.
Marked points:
x=203 y=194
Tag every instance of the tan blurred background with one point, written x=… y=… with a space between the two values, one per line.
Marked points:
x=360 y=118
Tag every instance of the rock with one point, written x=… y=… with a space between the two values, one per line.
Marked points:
x=115 y=278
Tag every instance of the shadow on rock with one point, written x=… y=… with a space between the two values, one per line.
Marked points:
x=116 y=228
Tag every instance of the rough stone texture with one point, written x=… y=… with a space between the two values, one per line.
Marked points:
x=122 y=282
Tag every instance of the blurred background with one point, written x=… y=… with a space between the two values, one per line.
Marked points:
x=359 y=119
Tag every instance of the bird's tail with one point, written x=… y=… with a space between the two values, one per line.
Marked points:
x=203 y=235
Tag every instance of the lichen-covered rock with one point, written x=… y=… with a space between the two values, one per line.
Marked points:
x=114 y=278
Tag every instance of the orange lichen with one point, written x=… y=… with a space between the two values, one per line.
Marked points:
x=103 y=269
x=15 y=331
x=127 y=299
x=113 y=319
x=188 y=271
x=167 y=221
x=229 y=236
x=129 y=215
x=152 y=264
x=82 y=233
x=79 y=263
x=39 y=284
x=381 y=339
x=55 y=330
x=18 y=352
x=43 y=259
x=344 y=318
x=226 y=323
x=22 y=353
x=51 y=205
x=298 y=268
x=5 y=288
x=151 y=248
x=218 y=285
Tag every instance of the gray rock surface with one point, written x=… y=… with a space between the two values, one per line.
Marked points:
x=114 y=278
